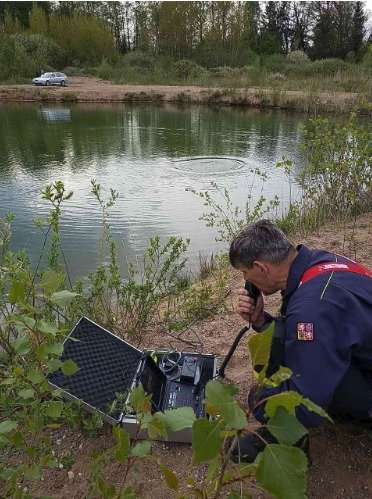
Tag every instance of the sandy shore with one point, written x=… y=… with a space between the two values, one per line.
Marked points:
x=85 y=89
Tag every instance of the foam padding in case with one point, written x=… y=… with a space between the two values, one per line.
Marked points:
x=107 y=366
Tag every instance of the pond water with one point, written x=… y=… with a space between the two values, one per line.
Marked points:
x=150 y=155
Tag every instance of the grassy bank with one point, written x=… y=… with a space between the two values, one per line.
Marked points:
x=294 y=72
x=92 y=89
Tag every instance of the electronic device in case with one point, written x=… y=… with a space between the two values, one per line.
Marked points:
x=108 y=365
x=168 y=393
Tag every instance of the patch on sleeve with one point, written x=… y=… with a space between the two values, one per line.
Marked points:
x=305 y=331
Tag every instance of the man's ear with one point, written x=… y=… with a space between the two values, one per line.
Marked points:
x=261 y=267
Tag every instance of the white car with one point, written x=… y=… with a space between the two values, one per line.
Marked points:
x=51 y=79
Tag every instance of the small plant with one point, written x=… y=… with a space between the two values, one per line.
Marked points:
x=183 y=97
x=69 y=97
x=230 y=219
x=66 y=459
x=338 y=177
x=105 y=70
x=91 y=425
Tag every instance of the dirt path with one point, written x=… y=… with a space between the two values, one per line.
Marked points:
x=84 y=89
x=342 y=455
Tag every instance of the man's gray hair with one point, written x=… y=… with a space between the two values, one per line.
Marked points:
x=261 y=240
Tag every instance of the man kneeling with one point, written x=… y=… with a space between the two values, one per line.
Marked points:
x=323 y=333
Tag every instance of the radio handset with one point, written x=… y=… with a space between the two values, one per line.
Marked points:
x=253 y=291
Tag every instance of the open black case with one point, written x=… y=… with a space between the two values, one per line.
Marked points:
x=109 y=366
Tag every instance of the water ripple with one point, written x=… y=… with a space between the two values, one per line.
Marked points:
x=210 y=165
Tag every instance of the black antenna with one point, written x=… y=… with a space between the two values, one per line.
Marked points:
x=254 y=293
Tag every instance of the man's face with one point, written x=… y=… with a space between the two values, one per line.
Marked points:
x=263 y=276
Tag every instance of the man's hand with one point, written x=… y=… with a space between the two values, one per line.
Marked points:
x=250 y=312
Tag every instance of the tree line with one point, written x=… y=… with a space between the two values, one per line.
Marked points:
x=209 y=33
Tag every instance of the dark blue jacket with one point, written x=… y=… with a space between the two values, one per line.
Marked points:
x=339 y=306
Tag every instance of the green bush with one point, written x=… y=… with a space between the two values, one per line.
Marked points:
x=106 y=71
x=254 y=74
x=139 y=59
x=250 y=58
x=188 y=69
x=69 y=97
x=42 y=49
x=274 y=63
x=73 y=71
x=22 y=55
x=297 y=57
x=227 y=72
x=321 y=68
x=85 y=38
x=367 y=59
x=329 y=67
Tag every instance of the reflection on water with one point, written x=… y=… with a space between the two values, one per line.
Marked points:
x=150 y=155
x=56 y=114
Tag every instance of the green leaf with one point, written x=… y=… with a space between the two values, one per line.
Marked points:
x=282 y=471
x=18 y=438
x=22 y=345
x=123 y=444
x=285 y=427
x=51 y=281
x=170 y=477
x=54 y=365
x=244 y=470
x=177 y=419
x=8 y=474
x=213 y=467
x=260 y=345
x=25 y=323
x=7 y=426
x=55 y=349
x=63 y=298
x=33 y=472
x=206 y=439
x=220 y=401
x=121 y=456
x=315 y=408
x=35 y=376
x=47 y=327
x=141 y=449
x=139 y=400
x=8 y=381
x=282 y=374
x=107 y=491
x=52 y=464
x=128 y=493
x=53 y=408
x=26 y=393
x=69 y=367
x=289 y=399
x=156 y=427
x=17 y=292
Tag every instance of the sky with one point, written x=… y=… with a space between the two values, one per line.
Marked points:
x=369 y=11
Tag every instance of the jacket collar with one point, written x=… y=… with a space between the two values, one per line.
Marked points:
x=296 y=270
